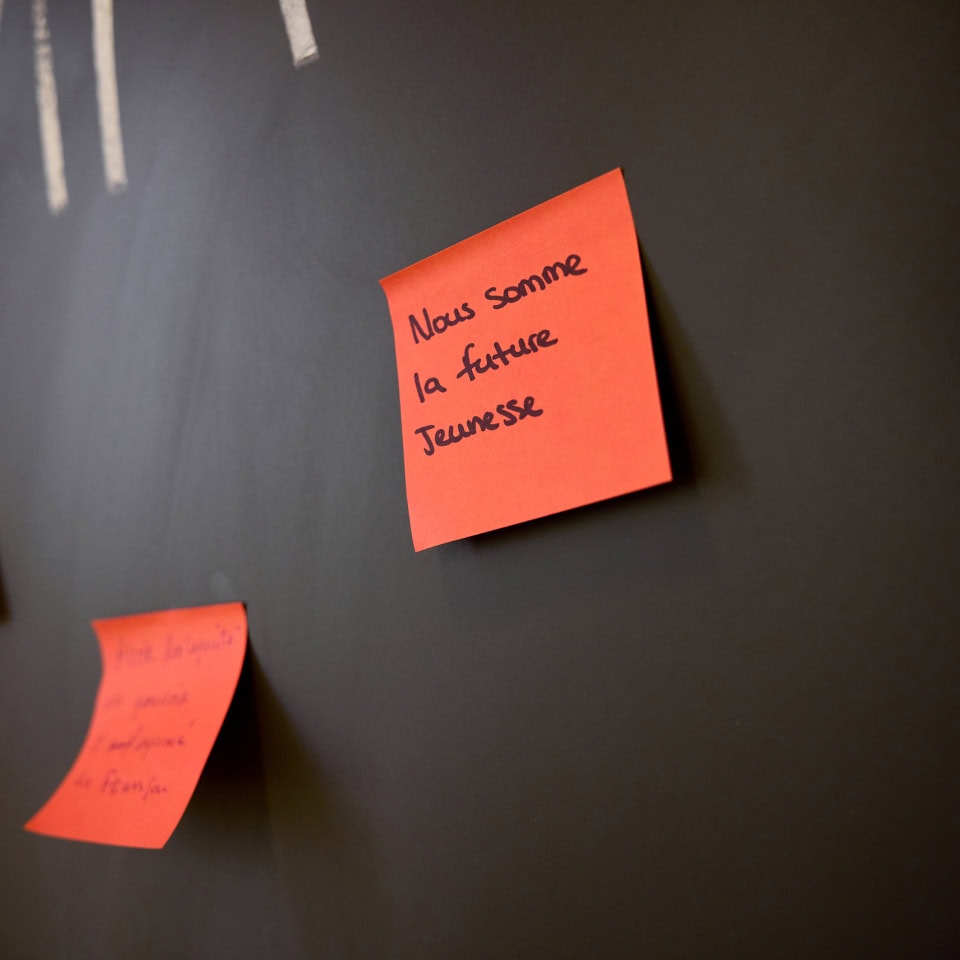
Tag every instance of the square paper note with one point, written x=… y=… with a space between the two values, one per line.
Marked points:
x=527 y=382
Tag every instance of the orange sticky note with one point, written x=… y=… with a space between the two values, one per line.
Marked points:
x=527 y=381
x=167 y=681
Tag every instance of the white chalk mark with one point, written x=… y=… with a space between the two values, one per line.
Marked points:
x=51 y=142
x=303 y=46
x=108 y=102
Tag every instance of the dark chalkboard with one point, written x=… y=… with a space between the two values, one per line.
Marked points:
x=714 y=719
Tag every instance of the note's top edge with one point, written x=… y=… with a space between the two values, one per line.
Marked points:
x=385 y=281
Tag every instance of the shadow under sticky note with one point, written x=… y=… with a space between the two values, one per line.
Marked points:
x=527 y=377
x=167 y=682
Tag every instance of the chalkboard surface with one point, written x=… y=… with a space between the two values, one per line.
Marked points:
x=714 y=719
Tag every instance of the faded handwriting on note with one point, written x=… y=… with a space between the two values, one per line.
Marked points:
x=168 y=679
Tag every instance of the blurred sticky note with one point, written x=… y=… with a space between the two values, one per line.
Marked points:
x=167 y=681
x=526 y=372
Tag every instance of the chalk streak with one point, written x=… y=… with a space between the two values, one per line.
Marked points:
x=51 y=141
x=296 y=17
x=108 y=102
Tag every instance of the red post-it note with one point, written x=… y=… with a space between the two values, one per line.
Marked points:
x=167 y=681
x=527 y=381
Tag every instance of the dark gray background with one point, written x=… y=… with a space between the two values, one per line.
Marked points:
x=717 y=719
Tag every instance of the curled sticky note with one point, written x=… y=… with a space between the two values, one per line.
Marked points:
x=167 y=682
